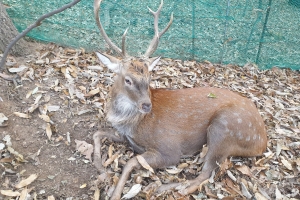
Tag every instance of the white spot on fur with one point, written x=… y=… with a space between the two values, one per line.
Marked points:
x=239 y=120
x=231 y=133
x=236 y=114
x=248 y=138
x=224 y=122
x=250 y=125
x=240 y=136
x=254 y=137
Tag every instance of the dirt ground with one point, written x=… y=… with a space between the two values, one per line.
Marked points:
x=56 y=174
x=63 y=96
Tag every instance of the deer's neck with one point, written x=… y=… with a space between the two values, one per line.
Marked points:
x=123 y=115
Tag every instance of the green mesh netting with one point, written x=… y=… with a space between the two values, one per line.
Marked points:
x=264 y=32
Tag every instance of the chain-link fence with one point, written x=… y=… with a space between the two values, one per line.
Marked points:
x=264 y=32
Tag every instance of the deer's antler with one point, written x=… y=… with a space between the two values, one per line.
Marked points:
x=122 y=51
x=154 y=42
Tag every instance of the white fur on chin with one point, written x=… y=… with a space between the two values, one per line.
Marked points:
x=123 y=114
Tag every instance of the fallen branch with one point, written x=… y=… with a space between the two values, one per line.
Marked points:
x=36 y=24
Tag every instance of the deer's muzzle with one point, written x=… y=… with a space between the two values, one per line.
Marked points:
x=146 y=107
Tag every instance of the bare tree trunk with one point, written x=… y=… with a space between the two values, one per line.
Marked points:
x=8 y=32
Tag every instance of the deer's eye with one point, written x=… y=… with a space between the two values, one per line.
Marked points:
x=127 y=81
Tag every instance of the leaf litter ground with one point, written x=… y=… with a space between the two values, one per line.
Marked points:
x=47 y=123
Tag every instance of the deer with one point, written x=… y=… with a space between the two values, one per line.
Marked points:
x=164 y=125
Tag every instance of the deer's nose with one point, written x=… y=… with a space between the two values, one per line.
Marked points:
x=146 y=107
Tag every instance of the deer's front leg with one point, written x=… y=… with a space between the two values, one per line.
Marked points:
x=108 y=133
x=153 y=158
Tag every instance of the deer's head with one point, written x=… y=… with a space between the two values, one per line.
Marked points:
x=133 y=74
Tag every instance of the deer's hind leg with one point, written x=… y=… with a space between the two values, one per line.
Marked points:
x=217 y=143
x=227 y=136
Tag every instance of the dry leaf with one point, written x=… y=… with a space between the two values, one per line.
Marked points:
x=46 y=118
x=22 y=115
x=83 y=186
x=73 y=71
x=16 y=70
x=182 y=165
x=92 y=92
x=2 y=147
x=111 y=159
x=211 y=95
x=278 y=194
x=231 y=175
x=245 y=191
x=110 y=151
x=85 y=149
x=23 y=195
x=3 y=118
x=48 y=131
x=97 y=194
x=204 y=151
x=286 y=163
x=174 y=171
x=232 y=186
x=10 y=193
x=37 y=99
x=27 y=181
x=245 y=170
x=135 y=189
x=53 y=108
x=84 y=111
x=259 y=196
x=51 y=197
x=33 y=108
x=19 y=156
x=224 y=166
x=35 y=90
x=144 y=163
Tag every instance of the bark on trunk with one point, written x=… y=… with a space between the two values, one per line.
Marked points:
x=8 y=32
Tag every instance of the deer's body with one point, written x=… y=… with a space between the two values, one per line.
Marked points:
x=182 y=117
x=162 y=125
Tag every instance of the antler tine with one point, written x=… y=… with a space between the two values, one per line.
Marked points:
x=103 y=33
x=154 y=42
x=123 y=43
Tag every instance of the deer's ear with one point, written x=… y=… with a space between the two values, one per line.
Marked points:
x=153 y=62
x=110 y=62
